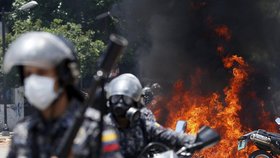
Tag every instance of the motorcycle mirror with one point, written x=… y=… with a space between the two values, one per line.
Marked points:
x=181 y=126
x=277 y=120
x=207 y=137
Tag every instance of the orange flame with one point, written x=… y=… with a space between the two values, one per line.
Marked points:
x=212 y=110
x=224 y=32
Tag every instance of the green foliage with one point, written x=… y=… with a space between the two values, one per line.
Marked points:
x=74 y=19
x=88 y=50
x=77 y=11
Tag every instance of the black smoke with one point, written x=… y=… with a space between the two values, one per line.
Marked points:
x=173 y=39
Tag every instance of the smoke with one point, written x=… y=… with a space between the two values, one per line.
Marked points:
x=175 y=39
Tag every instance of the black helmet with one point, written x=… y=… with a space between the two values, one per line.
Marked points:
x=156 y=88
x=148 y=95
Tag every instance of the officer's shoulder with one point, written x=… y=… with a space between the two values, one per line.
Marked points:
x=145 y=109
x=149 y=123
x=23 y=127
x=26 y=122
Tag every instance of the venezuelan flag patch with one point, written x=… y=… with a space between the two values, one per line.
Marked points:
x=110 y=141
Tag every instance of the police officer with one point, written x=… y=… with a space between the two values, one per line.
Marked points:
x=124 y=97
x=146 y=99
x=156 y=89
x=148 y=95
x=48 y=70
x=147 y=114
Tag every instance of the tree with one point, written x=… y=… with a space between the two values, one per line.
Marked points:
x=88 y=50
x=74 y=19
x=82 y=12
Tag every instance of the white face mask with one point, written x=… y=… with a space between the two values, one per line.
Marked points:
x=39 y=91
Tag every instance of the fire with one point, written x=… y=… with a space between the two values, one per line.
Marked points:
x=211 y=111
x=224 y=32
x=219 y=111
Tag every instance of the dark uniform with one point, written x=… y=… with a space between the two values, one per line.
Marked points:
x=147 y=114
x=137 y=130
x=141 y=133
x=148 y=95
x=48 y=69
x=34 y=137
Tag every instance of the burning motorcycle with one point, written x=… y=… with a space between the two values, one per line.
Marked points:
x=268 y=143
x=206 y=137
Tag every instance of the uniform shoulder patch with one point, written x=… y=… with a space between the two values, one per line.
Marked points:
x=110 y=141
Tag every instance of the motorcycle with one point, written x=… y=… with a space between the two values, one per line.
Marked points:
x=206 y=137
x=268 y=143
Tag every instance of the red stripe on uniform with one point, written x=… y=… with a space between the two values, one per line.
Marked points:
x=111 y=147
